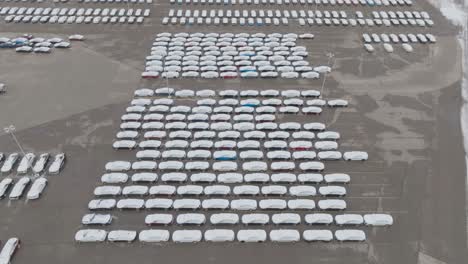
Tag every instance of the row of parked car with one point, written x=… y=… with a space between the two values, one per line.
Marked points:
x=397 y=38
x=36 y=44
x=388 y=40
x=8 y=250
x=250 y=219
x=31 y=163
x=238 y=190
x=302 y=2
x=114 y=1
x=196 y=204
x=219 y=235
x=196 y=178
x=65 y=11
x=18 y=188
x=229 y=135
x=226 y=93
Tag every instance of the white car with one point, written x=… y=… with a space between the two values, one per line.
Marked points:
x=41 y=163
x=76 y=37
x=318 y=235
x=329 y=155
x=102 y=204
x=26 y=163
x=350 y=235
x=349 y=219
x=337 y=178
x=187 y=236
x=153 y=235
x=90 y=235
x=130 y=204
x=19 y=187
x=332 y=204
x=57 y=164
x=332 y=190
x=251 y=235
x=219 y=235
x=355 y=155
x=378 y=219
x=310 y=178
x=37 y=188
x=96 y=219
x=284 y=235
x=4 y=186
x=286 y=219
x=118 y=166
x=114 y=178
x=121 y=236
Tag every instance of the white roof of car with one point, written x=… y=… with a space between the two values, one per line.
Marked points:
x=286 y=218
x=337 y=178
x=118 y=166
x=378 y=219
x=349 y=219
x=121 y=236
x=174 y=177
x=243 y=204
x=219 y=235
x=158 y=203
x=190 y=219
x=186 y=236
x=332 y=204
x=107 y=190
x=251 y=235
x=301 y=204
x=318 y=235
x=135 y=190
x=272 y=204
x=355 y=155
x=154 y=235
x=36 y=188
x=90 y=235
x=130 y=204
x=96 y=219
x=102 y=204
x=312 y=165
x=144 y=177
x=224 y=218
x=284 y=235
x=318 y=218
x=186 y=204
x=350 y=235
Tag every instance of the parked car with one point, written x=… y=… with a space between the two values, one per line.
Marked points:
x=57 y=164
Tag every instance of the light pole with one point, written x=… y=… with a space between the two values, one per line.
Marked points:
x=330 y=56
x=9 y=130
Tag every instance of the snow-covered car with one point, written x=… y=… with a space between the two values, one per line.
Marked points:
x=90 y=235
x=349 y=219
x=378 y=219
x=318 y=235
x=251 y=235
x=332 y=204
x=187 y=236
x=19 y=188
x=350 y=235
x=37 y=188
x=121 y=236
x=355 y=156
x=41 y=163
x=57 y=164
x=96 y=219
x=26 y=163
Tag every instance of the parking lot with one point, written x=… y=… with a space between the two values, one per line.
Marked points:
x=404 y=116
